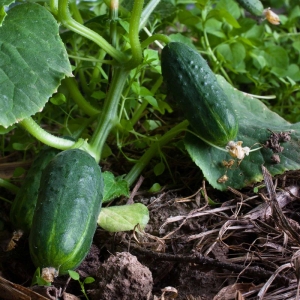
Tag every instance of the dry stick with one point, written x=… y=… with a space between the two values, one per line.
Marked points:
x=135 y=189
x=280 y=220
x=207 y=262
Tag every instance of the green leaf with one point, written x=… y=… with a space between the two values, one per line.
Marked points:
x=178 y=37
x=114 y=187
x=159 y=168
x=230 y=6
x=254 y=121
x=74 y=275
x=33 y=61
x=3 y=7
x=88 y=280
x=214 y=27
x=222 y=14
x=155 y=188
x=276 y=56
x=186 y=17
x=234 y=53
x=58 y=99
x=123 y=218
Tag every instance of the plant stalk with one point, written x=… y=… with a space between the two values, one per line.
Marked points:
x=65 y=18
x=11 y=187
x=109 y=112
x=78 y=98
x=137 y=169
x=136 y=49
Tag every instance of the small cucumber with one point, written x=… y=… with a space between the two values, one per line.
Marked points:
x=65 y=218
x=194 y=87
x=254 y=7
x=23 y=206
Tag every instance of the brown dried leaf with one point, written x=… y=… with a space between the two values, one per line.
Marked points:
x=235 y=290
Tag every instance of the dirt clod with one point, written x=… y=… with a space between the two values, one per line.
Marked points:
x=122 y=276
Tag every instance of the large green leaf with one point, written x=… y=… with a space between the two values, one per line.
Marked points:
x=33 y=60
x=255 y=121
x=124 y=217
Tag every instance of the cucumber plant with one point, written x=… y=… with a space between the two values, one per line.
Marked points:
x=114 y=91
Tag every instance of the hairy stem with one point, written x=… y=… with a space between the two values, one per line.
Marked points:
x=136 y=49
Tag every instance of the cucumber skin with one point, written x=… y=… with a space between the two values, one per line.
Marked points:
x=22 y=209
x=194 y=87
x=255 y=7
x=68 y=206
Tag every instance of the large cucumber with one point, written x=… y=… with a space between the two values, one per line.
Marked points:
x=23 y=206
x=65 y=218
x=254 y=7
x=194 y=87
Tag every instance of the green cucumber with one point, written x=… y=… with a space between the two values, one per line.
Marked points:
x=254 y=7
x=68 y=206
x=194 y=87
x=23 y=206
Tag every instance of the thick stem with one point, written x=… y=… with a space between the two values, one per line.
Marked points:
x=53 y=141
x=114 y=12
x=136 y=49
x=45 y=137
x=153 y=150
x=66 y=19
x=110 y=110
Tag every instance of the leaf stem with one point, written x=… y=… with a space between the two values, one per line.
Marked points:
x=53 y=141
x=45 y=137
x=149 y=8
x=78 y=98
x=212 y=55
x=11 y=187
x=155 y=37
x=152 y=151
x=136 y=49
x=65 y=18
x=109 y=112
x=114 y=12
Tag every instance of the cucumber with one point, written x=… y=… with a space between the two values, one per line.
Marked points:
x=23 y=206
x=194 y=87
x=68 y=206
x=254 y=7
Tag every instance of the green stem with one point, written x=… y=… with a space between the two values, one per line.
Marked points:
x=136 y=49
x=155 y=37
x=45 y=137
x=109 y=112
x=153 y=150
x=114 y=12
x=65 y=18
x=78 y=98
x=138 y=112
x=75 y=12
x=141 y=108
x=11 y=187
x=149 y=8
x=97 y=70
x=53 y=141
x=54 y=7
x=212 y=55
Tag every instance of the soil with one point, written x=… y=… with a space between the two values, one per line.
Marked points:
x=244 y=244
